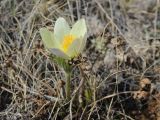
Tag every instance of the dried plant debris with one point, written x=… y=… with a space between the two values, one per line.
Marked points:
x=148 y=95
x=122 y=69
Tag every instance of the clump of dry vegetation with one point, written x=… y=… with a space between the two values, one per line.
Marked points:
x=122 y=68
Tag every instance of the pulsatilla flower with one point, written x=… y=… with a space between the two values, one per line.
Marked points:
x=65 y=42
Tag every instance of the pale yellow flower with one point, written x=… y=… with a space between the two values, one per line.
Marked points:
x=65 y=42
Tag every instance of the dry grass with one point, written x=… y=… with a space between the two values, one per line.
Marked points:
x=123 y=47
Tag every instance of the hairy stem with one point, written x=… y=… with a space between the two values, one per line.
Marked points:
x=68 y=85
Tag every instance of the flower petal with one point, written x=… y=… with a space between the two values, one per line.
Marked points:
x=82 y=44
x=79 y=29
x=59 y=53
x=75 y=48
x=48 y=38
x=61 y=28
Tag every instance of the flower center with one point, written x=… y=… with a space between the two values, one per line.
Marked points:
x=67 y=41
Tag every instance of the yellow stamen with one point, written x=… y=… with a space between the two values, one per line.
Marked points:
x=67 y=41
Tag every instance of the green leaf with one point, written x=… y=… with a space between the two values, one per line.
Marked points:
x=47 y=37
x=79 y=29
x=61 y=29
x=62 y=63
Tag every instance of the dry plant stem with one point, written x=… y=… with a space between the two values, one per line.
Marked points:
x=68 y=85
x=81 y=86
x=82 y=89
